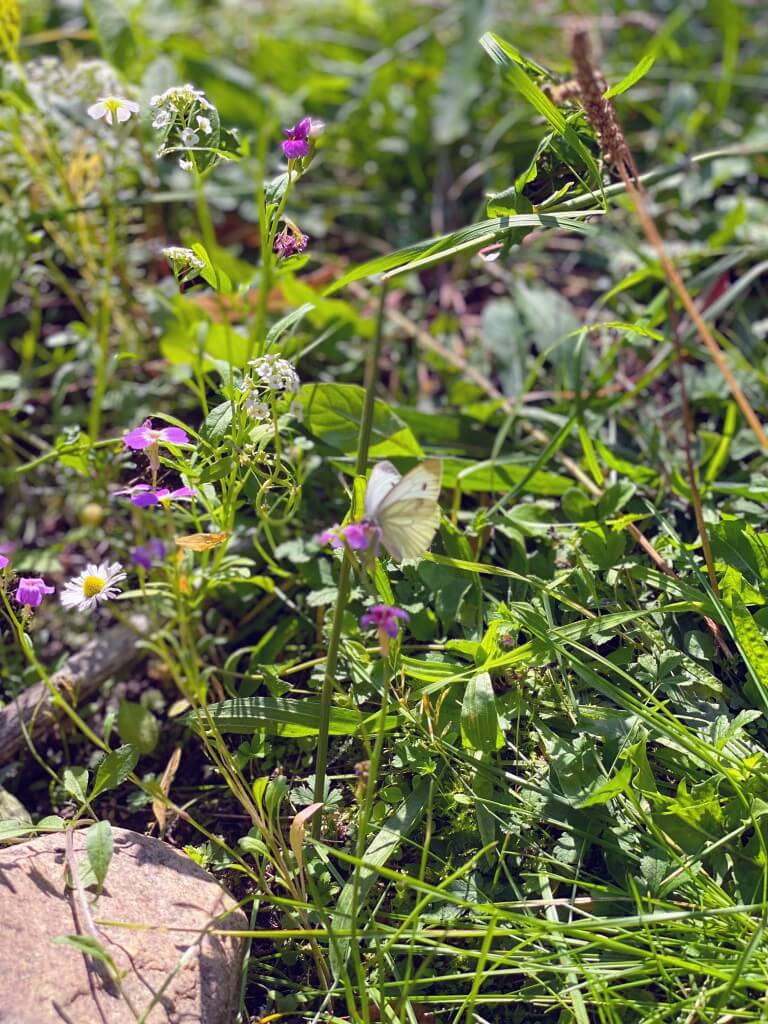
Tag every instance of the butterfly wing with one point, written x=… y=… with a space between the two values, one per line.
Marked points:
x=408 y=514
x=383 y=479
x=408 y=526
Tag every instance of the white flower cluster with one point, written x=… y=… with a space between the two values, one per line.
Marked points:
x=276 y=373
x=187 y=118
x=182 y=260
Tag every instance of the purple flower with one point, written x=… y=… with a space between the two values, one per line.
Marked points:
x=142 y=495
x=145 y=437
x=385 y=618
x=31 y=591
x=147 y=554
x=289 y=243
x=4 y=561
x=296 y=142
x=330 y=536
x=359 y=536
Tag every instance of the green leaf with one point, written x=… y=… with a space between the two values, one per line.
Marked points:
x=99 y=846
x=609 y=788
x=752 y=645
x=639 y=71
x=466 y=240
x=75 y=781
x=281 y=716
x=90 y=947
x=518 y=72
x=332 y=413
x=114 y=769
x=212 y=274
x=479 y=718
x=113 y=32
x=285 y=323
x=138 y=726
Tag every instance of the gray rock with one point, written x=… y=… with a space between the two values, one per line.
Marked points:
x=165 y=898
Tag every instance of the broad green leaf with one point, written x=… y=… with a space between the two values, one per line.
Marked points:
x=114 y=769
x=639 y=71
x=138 y=726
x=75 y=782
x=479 y=718
x=281 y=716
x=332 y=413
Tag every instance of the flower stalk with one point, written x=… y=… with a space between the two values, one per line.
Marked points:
x=332 y=658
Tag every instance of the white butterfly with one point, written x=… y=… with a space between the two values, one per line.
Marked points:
x=404 y=508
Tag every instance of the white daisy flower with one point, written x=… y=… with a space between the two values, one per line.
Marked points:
x=97 y=583
x=111 y=107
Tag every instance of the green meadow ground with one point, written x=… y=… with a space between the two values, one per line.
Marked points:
x=545 y=797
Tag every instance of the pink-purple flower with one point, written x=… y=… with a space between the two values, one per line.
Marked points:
x=289 y=243
x=385 y=617
x=146 y=555
x=142 y=495
x=296 y=141
x=31 y=591
x=3 y=561
x=359 y=536
x=145 y=436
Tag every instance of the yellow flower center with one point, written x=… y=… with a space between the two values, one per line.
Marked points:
x=92 y=585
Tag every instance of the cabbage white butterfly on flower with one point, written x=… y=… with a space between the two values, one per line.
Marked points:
x=404 y=509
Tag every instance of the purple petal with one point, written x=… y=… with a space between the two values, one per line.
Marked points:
x=295 y=149
x=138 y=438
x=174 y=435
x=3 y=561
x=147 y=498
x=182 y=492
x=357 y=536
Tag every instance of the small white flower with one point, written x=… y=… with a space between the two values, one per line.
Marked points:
x=204 y=124
x=184 y=164
x=275 y=373
x=189 y=138
x=97 y=583
x=256 y=409
x=163 y=119
x=111 y=107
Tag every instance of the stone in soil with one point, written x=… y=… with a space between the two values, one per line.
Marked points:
x=165 y=898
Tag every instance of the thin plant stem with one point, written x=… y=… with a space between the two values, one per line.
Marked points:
x=689 y=433
x=363 y=443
